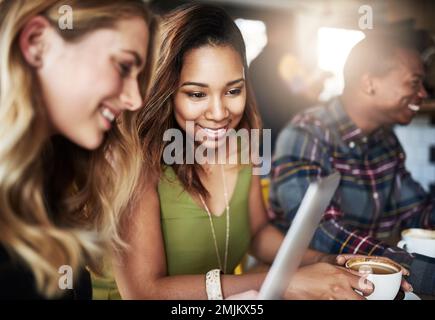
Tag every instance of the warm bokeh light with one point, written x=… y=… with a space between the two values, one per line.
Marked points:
x=333 y=47
x=254 y=34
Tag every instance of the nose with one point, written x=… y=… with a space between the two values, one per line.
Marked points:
x=131 y=98
x=217 y=110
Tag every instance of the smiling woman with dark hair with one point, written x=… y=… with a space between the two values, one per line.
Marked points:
x=192 y=224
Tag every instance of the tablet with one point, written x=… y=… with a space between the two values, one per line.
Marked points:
x=298 y=237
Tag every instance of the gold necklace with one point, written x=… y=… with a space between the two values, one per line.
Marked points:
x=227 y=208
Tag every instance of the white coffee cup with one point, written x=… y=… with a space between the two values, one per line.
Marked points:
x=386 y=276
x=420 y=241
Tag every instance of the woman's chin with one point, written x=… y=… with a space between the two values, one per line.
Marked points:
x=89 y=142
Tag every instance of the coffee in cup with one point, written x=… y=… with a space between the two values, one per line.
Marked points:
x=420 y=241
x=385 y=275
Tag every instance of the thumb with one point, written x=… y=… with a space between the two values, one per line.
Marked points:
x=341 y=259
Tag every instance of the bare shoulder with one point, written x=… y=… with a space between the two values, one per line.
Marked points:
x=145 y=201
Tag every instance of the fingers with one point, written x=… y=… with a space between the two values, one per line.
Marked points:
x=355 y=280
x=359 y=282
x=405 y=271
x=356 y=296
x=406 y=286
x=346 y=294
x=365 y=286
x=342 y=258
x=329 y=258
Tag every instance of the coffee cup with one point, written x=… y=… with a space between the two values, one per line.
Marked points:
x=385 y=275
x=420 y=241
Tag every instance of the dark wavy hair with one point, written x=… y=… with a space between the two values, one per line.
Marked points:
x=187 y=27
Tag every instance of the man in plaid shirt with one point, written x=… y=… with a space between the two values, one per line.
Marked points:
x=353 y=135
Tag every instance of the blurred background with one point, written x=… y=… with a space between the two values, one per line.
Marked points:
x=296 y=50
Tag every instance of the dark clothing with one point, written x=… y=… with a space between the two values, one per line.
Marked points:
x=17 y=282
x=276 y=103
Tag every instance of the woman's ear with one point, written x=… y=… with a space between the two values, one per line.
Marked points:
x=31 y=40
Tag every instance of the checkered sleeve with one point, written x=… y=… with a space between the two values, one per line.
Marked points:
x=301 y=158
x=412 y=203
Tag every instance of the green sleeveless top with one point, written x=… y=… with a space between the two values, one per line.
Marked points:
x=187 y=234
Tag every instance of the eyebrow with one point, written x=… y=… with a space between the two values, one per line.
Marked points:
x=137 y=58
x=199 y=84
x=415 y=76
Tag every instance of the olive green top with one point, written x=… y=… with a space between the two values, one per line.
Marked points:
x=187 y=234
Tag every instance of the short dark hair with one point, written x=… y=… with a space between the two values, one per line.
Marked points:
x=375 y=54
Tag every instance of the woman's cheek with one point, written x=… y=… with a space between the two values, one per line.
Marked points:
x=190 y=111
x=113 y=86
x=237 y=107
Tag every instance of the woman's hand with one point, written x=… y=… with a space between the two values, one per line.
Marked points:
x=323 y=281
x=343 y=258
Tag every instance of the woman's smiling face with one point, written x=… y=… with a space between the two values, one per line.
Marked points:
x=211 y=93
x=88 y=83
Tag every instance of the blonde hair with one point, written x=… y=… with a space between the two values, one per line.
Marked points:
x=55 y=197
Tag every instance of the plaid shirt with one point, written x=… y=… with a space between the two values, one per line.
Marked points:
x=376 y=194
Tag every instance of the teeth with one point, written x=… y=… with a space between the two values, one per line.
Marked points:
x=413 y=107
x=215 y=133
x=218 y=131
x=108 y=114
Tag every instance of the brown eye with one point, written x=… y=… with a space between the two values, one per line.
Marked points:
x=124 y=69
x=234 y=92
x=196 y=95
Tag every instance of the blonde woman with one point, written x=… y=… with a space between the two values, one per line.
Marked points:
x=64 y=90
